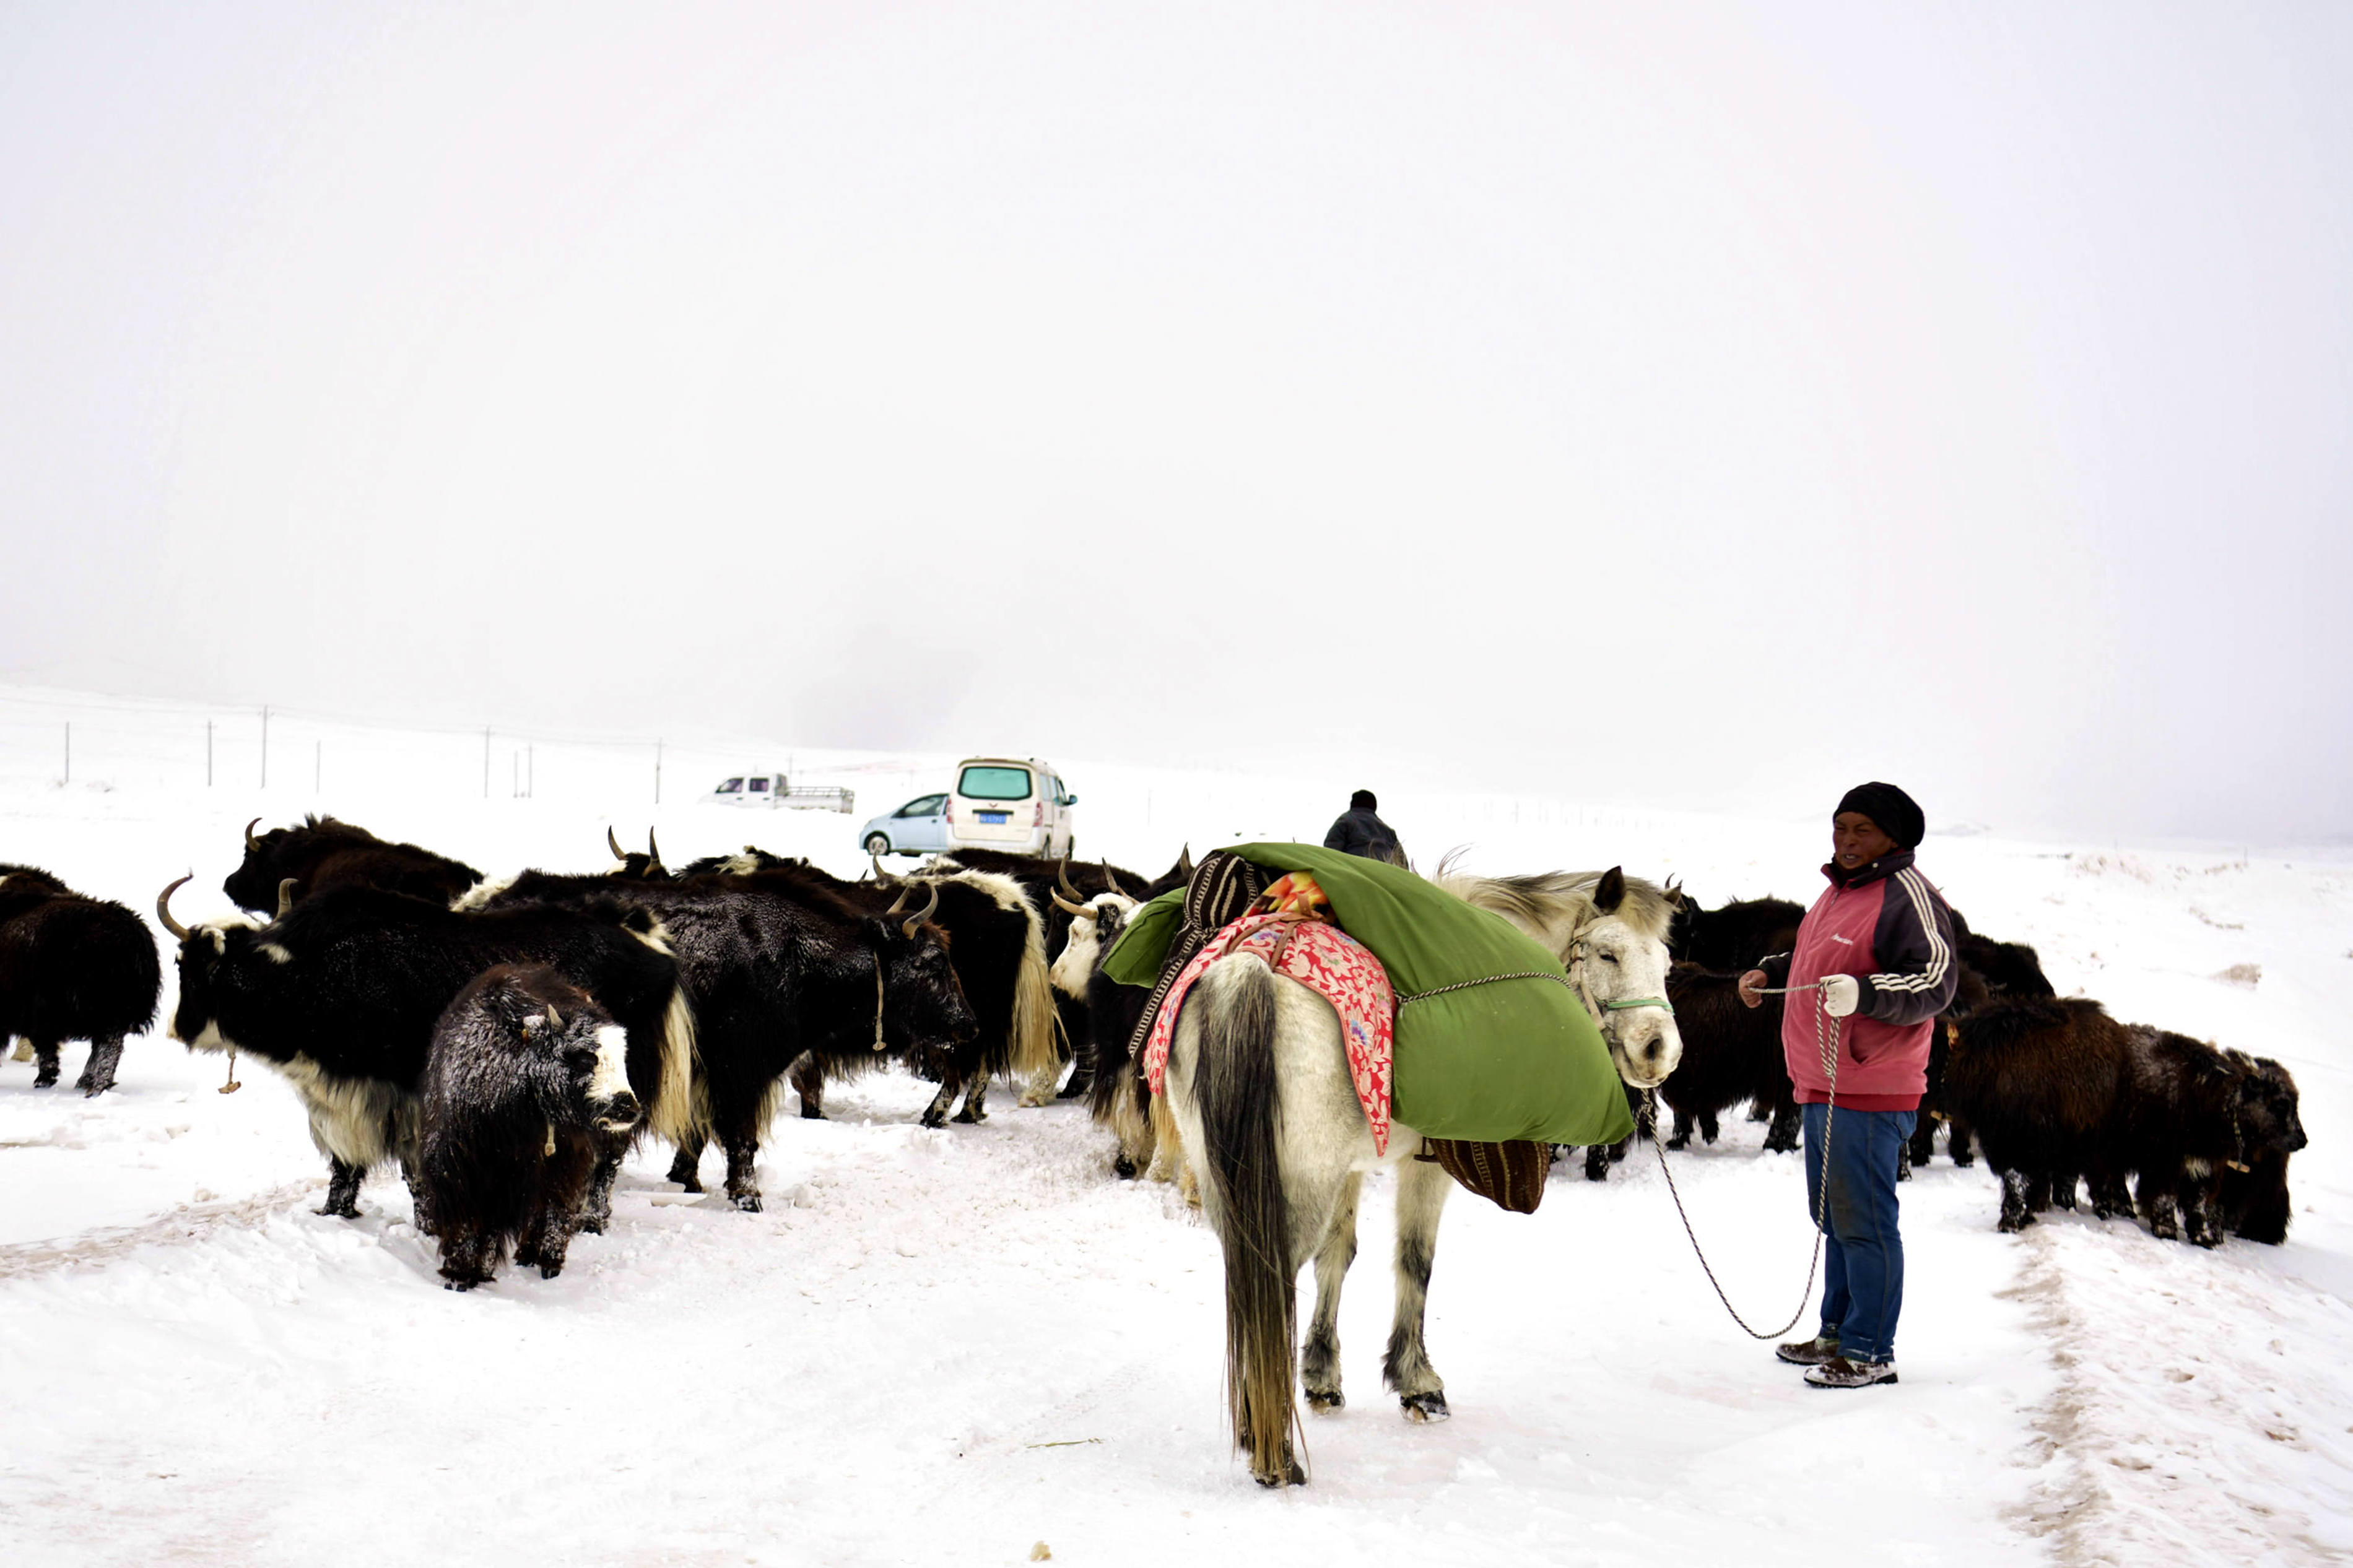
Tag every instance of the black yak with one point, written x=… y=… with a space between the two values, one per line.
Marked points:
x=322 y=854
x=72 y=968
x=526 y=1092
x=1732 y=1053
x=2044 y=1081
x=776 y=964
x=1732 y=940
x=2253 y=1202
x=342 y=993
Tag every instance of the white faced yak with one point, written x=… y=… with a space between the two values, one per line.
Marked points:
x=526 y=1092
x=341 y=992
x=72 y=968
x=321 y=854
x=774 y=964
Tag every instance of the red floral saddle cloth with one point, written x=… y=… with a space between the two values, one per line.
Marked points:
x=1288 y=929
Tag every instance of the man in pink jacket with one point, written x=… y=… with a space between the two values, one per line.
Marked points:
x=1879 y=945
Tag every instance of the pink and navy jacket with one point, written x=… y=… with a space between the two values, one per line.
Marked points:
x=1886 y=926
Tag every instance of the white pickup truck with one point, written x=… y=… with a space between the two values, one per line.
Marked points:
x=775 y=790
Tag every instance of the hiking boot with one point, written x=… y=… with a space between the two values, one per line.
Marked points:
x=1808 y=1352
x=1839 y=1372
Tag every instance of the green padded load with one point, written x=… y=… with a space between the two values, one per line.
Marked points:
x=1510 y=1059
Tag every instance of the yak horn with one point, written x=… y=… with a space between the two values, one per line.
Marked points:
x=285 y=899
x=882 y=879
x=250 y=841
x=164 y=907
x=1067 y=907
x=906 y=891
x=920 y=916
x=1185 y=862
x=555 y=1018
x=653 y=850
x=1062 y=875
x=615 y=846
x=1112 y=881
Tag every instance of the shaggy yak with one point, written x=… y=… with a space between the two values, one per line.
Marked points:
x=526 y=1091
x=2253 y=1202
x=2058 y=1088
x=2044 y=1081
x=2198 y=1118
x=1732 y=1053
x=72 y=968
x=324 y=854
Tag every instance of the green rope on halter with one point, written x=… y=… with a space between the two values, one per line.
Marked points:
x=1640 y=1001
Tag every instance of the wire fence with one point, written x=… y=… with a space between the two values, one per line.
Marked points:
x=86 y=741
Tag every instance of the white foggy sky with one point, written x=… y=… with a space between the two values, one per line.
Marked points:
x=1700 y=405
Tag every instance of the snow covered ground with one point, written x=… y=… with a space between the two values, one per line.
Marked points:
x=947 y=1346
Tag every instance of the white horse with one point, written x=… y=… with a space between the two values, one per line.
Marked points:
x=1258 y=1086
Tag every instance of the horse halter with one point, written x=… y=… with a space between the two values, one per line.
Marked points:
x=1577 y=973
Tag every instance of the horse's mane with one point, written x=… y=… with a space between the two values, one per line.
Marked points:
x=1547 y=899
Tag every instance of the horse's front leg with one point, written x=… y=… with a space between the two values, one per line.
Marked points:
x=1319 y=1369
x=1423 y=1187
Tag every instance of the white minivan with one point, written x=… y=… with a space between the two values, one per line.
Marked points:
x=1017 y=805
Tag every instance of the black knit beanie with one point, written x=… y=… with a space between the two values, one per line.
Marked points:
x=1362 y=801
x=1897 y=815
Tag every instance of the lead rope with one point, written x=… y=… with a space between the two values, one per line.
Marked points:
x=878 y=1001
x=232 y=1086
x=1826 y=1043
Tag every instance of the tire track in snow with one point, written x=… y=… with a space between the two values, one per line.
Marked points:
x=2200 y=1415
x=190 y=1222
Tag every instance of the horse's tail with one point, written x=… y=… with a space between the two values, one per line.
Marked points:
x=1234 y=1086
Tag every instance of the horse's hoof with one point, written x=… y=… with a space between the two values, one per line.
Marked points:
x=1431 y=1406
x=550 y=1270
x=748 y=1202
x=969 y=1119
x=1124 y=1168
x=1292 y=1476
x=47 y=1080
x=1325 y=1402
x=594 y=1223
x=935 y=1119
x=1965 y=1160
x=810 y=1112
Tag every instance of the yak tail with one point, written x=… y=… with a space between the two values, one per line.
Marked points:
x=1034 y=1059
x=678 y=1109
x=1234 y=1088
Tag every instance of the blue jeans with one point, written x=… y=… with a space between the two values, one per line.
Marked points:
x=1863 y=1254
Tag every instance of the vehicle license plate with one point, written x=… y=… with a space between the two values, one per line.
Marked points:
x=996 y=818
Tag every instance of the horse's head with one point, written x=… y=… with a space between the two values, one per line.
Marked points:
x=1618 y=958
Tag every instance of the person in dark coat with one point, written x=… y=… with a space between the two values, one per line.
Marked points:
x=1359 y=831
